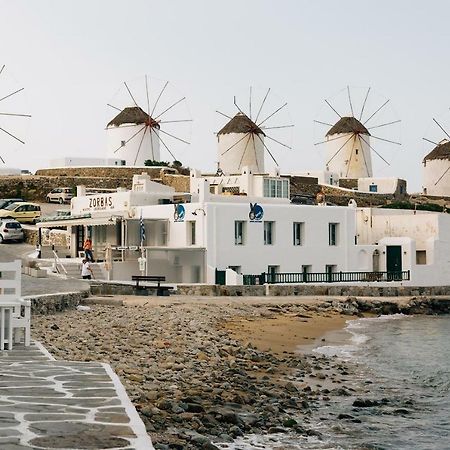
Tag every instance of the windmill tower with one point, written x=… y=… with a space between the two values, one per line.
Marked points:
x=137 y=134
x=349 y=141
x=436 y=166
x=242 y=142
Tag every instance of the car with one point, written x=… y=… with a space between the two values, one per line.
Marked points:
x=4 y=202
x=60 y=195
x=22 y=212
x=303 y=200
x=10 y=230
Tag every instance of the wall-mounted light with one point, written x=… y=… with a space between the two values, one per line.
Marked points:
x=194 y=213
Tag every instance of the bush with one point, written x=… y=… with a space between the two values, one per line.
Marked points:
x=418 y=206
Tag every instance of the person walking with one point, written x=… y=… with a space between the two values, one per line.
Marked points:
x=86 y=270
x=87 y=247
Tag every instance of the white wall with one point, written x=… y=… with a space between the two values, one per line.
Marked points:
x=384 y=185
x=432 y=172
x=346 y=162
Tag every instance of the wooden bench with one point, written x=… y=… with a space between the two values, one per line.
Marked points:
x=160 y=290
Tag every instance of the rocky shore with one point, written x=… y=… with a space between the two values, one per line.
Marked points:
x=196 y=379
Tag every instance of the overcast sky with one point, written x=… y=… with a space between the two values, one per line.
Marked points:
x=72 y=56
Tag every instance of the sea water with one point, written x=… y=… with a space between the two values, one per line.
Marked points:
x=401 y=364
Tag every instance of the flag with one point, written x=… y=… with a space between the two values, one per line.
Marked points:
x=142 y=230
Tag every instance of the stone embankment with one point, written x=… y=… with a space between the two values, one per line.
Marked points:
x=193 y=383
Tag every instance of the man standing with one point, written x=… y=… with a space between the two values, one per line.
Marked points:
x=87 y=247
x=86 y=270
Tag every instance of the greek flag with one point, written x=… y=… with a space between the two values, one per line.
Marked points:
x=142 y=230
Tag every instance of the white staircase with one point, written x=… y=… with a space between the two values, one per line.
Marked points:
x=73 y=270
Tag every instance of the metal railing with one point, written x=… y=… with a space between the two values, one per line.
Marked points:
x=325 y=277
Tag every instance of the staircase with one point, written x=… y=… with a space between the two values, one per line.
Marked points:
x=74 y=270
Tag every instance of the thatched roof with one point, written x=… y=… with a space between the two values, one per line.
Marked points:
x=130 y=115
x=240 y=123
x=441 y=151
x=348 y=125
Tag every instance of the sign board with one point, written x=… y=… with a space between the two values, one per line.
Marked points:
x=256 y=213
x=123 y=247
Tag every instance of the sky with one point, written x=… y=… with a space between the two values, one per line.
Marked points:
x=73 y=56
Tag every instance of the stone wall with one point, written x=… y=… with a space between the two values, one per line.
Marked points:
x=53 y=303
x=106 y=172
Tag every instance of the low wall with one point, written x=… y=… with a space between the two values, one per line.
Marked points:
x=53 y=303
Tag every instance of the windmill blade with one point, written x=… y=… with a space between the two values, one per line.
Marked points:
x=371 y=148
x=278 y=142
x=151 y=142
x=332 y=139
x=8 y=133
x=384 y=124
x=364 y=104
x=173 y=136
x=132 y=137
x=164 y=144
x=148 y=97
x=379 y=109
x=140 y=145
x=236 y=143
x=1 y=70
x=385 y=140
x=441 y=127
x=442 y=176
x=174 y=121
x=350 y=101
x=114 y=107
x=254 y=147
x=3 y=161
x=12 y=93
x=170 y=107
x=340 y=148
x=245 y=149
x=15 y=115
x=324 y=123
x=275 y=128
x=351 y=155
x=267 y=148
x=262 y=104
x=235 y=104
x=131 y=95
x=329 y=104
x=271 y=115
x=250 y=103
x=223 y=114
x=158 y=98
x=364 y=155
x=428 y=140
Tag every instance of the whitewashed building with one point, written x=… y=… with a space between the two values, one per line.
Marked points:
x=436 y=170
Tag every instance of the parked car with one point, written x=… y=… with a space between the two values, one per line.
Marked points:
x=4 y=202
x=303 y=200
x=60 y=195
x=10 y=230
x=22 y=212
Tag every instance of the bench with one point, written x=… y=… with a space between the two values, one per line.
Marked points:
x=160 y=290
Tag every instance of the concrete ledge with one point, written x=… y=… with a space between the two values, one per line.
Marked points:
x=52 y=303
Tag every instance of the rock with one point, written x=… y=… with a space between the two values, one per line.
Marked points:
x=289 y=423
x=345 y=416
x=365 y=403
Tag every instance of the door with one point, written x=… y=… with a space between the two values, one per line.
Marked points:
x=79 y=231
x=220 y=277
x=394 y=262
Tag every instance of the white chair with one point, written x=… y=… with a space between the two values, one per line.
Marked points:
x=15 y=312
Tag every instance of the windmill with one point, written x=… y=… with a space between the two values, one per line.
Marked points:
x=10 y=119
x=243 y=141
x=151 y=115
x=349 y=142
x=436 y=164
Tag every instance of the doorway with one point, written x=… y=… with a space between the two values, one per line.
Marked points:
x=394 y=262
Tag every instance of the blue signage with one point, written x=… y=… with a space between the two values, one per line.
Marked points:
x=179 y=213
x=256 y=213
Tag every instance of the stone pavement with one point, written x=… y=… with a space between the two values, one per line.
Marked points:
x=49 y=404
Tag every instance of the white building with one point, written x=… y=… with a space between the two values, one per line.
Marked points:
x=77 y=161
x=436 y=170
x=195 y=238
x=348 y=149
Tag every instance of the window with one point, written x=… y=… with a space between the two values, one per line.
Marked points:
x=356 y=151
x=421 y=256
x=239 y=232
x=298 y=233
x=373 y=188
x=278 y=188
x=191 y=232
x=269 y=230
x=333 y=233
x=271 y=271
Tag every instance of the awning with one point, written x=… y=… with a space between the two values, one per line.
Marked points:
x=72 y=222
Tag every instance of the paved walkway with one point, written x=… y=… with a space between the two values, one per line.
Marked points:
x=49 y=404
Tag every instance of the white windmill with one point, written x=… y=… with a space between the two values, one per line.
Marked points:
x=137 y=133
x=349 y=141
x=436 y=166
x=243 y=141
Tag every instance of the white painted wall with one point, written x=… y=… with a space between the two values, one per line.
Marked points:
x=384 y=185
x=346 y=162
x=248 y=152
x=432 y=172
x=150 y=148
x=323 y=176
x=84 y=162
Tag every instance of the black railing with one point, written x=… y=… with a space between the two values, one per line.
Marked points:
x=324 y=277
